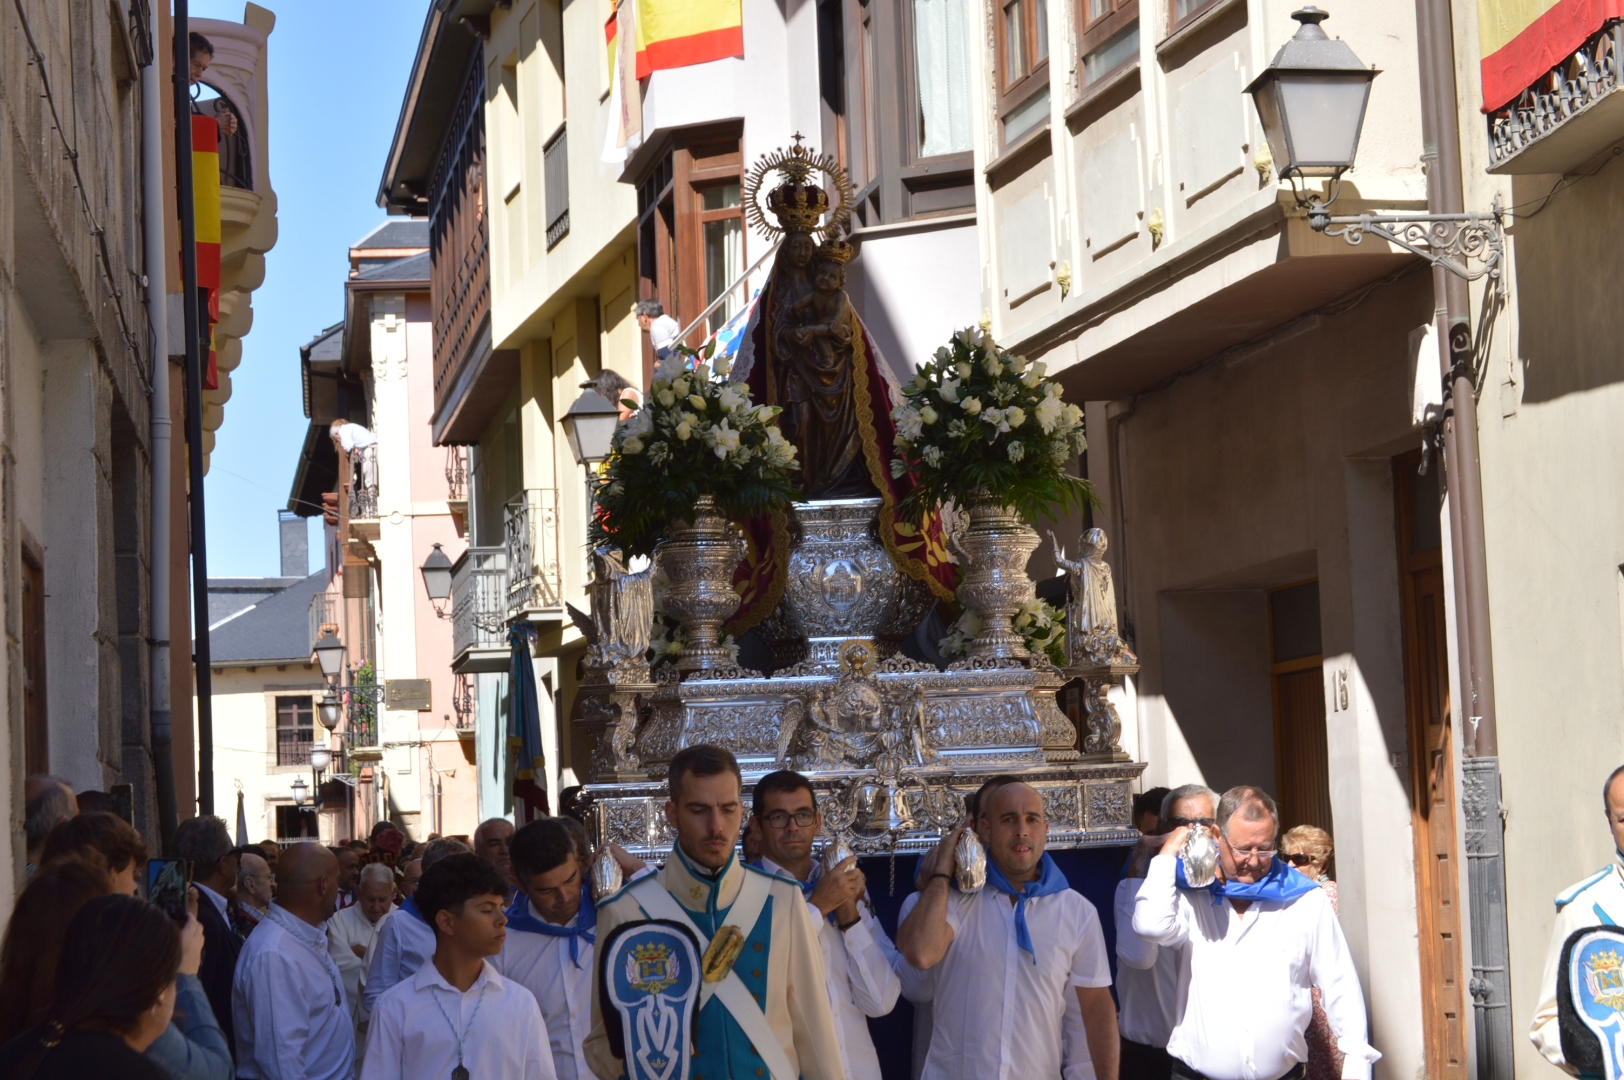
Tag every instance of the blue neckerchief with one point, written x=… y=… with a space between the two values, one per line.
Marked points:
x=584 y=925
x=409 y=905
x=1281 y=883
x=1050 y=880
x=806 y=886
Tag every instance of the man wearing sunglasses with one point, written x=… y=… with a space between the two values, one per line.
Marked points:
x=857 y=956
x=1251 y=948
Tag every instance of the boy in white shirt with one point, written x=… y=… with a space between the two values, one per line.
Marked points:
x=456 y=1017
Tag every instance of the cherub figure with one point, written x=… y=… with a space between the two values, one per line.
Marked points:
x=822 y=311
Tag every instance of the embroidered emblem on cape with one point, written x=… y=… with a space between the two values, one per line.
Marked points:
x=1596 y=977
x=649 y=976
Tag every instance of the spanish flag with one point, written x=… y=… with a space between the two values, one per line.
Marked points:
x=1522 y=40
x=677 y=33
x=206 y=209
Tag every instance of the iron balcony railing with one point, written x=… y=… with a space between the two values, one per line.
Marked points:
x=532 y=552
x=456 y=473
x=323 y=616
x=364 y=485
x=479 y=600
x=293 y=745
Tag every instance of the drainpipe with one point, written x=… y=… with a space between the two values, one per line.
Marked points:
x=194 y=411
x=152 y=225
x=1490 y=983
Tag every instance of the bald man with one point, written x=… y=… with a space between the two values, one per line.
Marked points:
x=491 y=842
x=287 y=999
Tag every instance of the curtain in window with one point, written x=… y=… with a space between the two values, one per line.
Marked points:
x=724 y=262
x=942 y=72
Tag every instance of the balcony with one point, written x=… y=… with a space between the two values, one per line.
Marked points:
x=456 y=485
x=532 y=553
x=323 y=615
x=293 y=745
x=555 y=175
x=479 y=611
x=364 y=488
x=1574 y=112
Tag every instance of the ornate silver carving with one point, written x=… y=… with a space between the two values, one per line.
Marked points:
x=622 y=616
x=1108 y=805
x=1091 y=613
x=698 y=557
x=994 y=548
x=841 y=585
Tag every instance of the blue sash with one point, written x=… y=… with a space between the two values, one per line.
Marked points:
x=1281 y=883
x=409 y=906
x=1050 y=880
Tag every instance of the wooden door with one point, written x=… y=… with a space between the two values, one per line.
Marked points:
x=1431 y=754
x=36 y=744
x=1296 y=664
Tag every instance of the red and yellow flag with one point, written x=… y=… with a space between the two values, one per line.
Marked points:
x=206 y=210
x=677 y=33
x=1521 y=40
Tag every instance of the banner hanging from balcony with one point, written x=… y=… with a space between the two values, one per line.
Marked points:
x=524 y=728
x=625 y=131
x=677 y=33
x=1521 y=40
x=206 y=211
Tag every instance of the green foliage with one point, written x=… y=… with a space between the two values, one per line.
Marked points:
x=976 y=416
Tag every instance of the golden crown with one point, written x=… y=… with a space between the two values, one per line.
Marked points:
x=836 y=251
x=798 y=203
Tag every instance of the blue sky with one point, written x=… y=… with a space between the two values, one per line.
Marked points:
x=337 y=73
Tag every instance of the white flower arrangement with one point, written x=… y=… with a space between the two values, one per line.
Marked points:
x=1041 y=625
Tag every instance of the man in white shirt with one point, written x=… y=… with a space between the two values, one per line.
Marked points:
x=661 y=328
x=1598 y=900
x=350 y=439
x=1006 y=957
x=857 y=956
x=406 y=940
x=1147 y=973
x=457 y=1016
x=287 y=1001
x=352 y=934
x=1251 y=949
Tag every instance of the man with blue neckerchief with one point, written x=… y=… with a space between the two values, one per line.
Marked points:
x=1598 y=900
x=764 y=1011
x=1252 y=946
x=1005 y=958
x=857 y=956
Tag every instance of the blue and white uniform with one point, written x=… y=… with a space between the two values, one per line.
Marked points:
x=1598 y=900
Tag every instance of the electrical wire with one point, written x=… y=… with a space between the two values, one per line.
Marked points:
x=1567 y=180
x=71 y=153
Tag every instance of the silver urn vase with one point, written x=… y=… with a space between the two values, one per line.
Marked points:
x=698 y=556
x=841 y=585
x=994 y=548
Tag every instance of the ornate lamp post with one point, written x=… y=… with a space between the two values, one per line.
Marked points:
x=1311 y=100
x=436 y=571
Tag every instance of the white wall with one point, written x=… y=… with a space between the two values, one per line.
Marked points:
x=914 y=286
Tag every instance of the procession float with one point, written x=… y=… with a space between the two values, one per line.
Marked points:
x=799 y=492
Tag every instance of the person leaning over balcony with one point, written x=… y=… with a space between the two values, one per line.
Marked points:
x=1252 y=945
x=661 y=328
x=201 y=51
x=347 y=439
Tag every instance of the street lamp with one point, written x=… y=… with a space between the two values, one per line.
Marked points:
x=1311 y=100
x=436 y=571
x=328 y=710
x=329 y=654
x=320 y=757
x=590 y=427
x=301 y=792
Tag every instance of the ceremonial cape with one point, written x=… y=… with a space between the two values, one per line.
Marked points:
x=1598 y=900
x=780 y=965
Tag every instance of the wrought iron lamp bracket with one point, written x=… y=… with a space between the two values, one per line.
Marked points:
x=1452 y=241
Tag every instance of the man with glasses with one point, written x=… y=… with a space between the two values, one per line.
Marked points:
x=1251 y=947
x=1147 y=973
x=857 y=956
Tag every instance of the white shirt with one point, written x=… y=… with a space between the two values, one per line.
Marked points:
x=350 y=927
x=287 y=1004
x=1076 y=1063
x=662 y=334
x=1245 y=979
x=1598 y=900
x=998 y=1011
x=416 y=1028
x=353 y=437
x=859 y=973
x=541 y=964
x=404 y=945
x=1147 y=976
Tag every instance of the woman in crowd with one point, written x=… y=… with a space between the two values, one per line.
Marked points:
x=114 y=994
x=1308 y=848
x=33 y=941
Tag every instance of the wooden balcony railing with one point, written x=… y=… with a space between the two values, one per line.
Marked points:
x=459 y=276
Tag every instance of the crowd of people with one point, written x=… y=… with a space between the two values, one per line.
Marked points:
x=480 y=956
